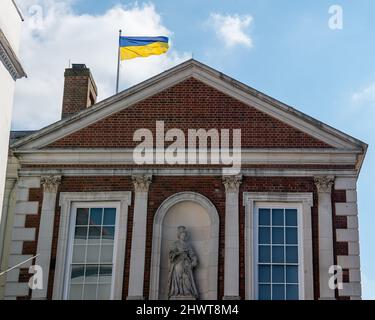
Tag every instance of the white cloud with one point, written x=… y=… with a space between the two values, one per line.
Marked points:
x=53 y=34
x=365 y=97
x=232 y=29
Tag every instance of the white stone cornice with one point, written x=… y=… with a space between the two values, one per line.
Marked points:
x=50 y=183
x=181 y=172
x=9 y=58
x=324 y=183
x=232 y=183
x=141 y=182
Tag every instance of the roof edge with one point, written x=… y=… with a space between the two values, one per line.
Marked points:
x=191 y=63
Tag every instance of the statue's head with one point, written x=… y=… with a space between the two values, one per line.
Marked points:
x=182 y=233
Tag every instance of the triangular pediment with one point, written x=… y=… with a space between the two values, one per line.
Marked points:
x=196 y=96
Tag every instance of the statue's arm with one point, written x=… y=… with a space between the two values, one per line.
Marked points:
x=173 y=252
x=193 y=257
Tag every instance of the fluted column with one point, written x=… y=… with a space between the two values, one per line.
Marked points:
x=232 y=246
x=50 y=186
x=137 y=257
x=326 y=260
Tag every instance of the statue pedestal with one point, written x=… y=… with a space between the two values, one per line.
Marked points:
x=182 y=298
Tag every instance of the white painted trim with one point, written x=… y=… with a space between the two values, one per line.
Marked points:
x=185 y=172
x=117 y=256
x=282 y=205
x=207 y=75
x=304 y=201
x=157 y=236
x=124 y=156
x=67 y=200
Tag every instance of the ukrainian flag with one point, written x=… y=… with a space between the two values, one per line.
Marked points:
x=133 y=47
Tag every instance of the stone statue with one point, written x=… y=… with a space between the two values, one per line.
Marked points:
x=182 y=261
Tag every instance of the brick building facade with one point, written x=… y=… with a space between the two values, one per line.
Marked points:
x=102 y=224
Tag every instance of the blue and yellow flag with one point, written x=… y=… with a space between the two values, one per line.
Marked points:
x=133 y=47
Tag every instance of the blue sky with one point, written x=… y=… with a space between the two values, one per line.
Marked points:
x=285 y=49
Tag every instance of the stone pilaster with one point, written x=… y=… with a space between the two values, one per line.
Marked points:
x=232 y=247
x=326 y=260
x=50 y=187
x=137 y=257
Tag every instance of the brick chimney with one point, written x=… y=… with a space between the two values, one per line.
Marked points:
x=80 y=90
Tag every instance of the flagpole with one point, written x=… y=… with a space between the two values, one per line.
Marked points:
x=118 y=61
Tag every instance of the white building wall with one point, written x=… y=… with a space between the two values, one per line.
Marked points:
x=10 y=25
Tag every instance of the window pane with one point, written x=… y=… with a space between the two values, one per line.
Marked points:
x=291 y=217
x=264 y=217
x=109 y=216
x=292 y=274
x=277 y=235
x=278 y=292
x=94 y=232
x=91 y=273
x=108 y=233
x=278 y=254
x=75 y=292
x=77 y=274
x=292 y=292
x=292 y=254
x=96 y=215
x=105 y=274
x=104 y=292
x=107 y=254
x=264 y=235
x=89 y=292
x=291 y=236
x=277 y=217
x=264 y=254
x=264 y=292
x=79 y=253
x=264 y=274
x=278 y=274
x=80 y=234
x=93 y=254
x=82 y=217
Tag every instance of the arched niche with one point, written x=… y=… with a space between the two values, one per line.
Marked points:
x=200 y=217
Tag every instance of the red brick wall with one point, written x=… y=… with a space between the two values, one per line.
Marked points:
x=190 y=105
x=75 y=95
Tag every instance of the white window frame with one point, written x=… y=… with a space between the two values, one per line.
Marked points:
x=73 y=220
x=69 y=201
x=303 y=203
x=279 y=205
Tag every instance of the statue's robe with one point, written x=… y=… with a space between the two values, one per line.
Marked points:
x=182 y=260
